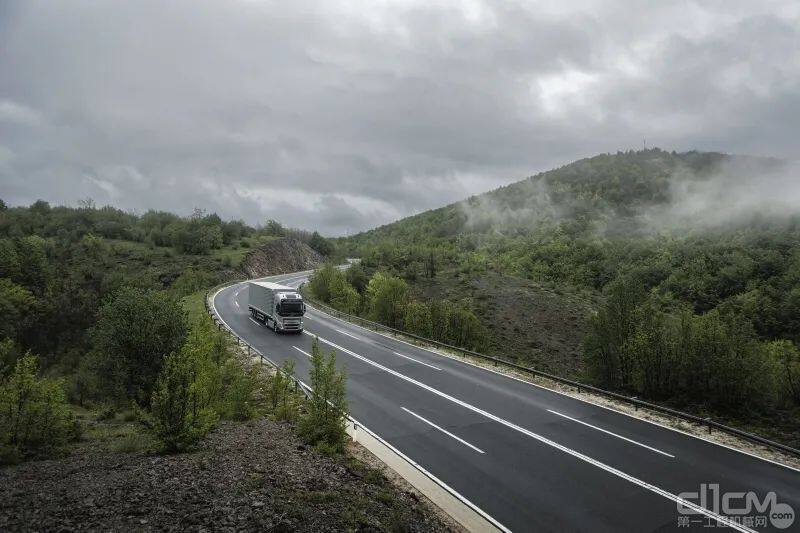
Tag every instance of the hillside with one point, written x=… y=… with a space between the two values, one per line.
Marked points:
x=619 y=268
x=703 y=228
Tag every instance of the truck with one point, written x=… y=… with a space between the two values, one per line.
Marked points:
x=276 y=306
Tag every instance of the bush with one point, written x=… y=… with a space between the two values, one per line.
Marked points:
x=418 y=319
x=191 y=281
x=281 y=398
x=133 y=333
x=181 y=415
x=323 y=423
x=387 y=296
x=34 y=415
x=786 y=358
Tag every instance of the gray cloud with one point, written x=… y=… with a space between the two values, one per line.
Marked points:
x=341 y=116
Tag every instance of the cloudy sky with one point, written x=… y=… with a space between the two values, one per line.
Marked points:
x=340 y=116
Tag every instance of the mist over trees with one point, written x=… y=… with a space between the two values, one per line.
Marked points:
x=693 y=257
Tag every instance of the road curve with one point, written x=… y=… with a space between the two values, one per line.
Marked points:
x=531 y=458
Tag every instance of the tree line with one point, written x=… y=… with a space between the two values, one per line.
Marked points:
x=387 y=299
x=94 y=316
x=658 y=350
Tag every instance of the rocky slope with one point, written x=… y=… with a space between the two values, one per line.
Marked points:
x=246 y=477
x=279 y=257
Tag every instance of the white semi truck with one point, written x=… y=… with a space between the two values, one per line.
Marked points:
x=277 y=306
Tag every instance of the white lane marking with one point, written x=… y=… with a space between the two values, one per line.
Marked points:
x=348 y=334
x=302 y=351
x=611 y=433
x=416 y=361
x=459 y=439
x=237 y=303
x=560 y=393
x=610 y=469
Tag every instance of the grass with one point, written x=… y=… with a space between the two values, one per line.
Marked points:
x=194 y=307
x=114 y=432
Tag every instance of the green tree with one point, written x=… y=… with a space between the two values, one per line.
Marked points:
x=34 y=415
x=357 y=277
x=417 y=319
x=321 y=244
x=274 y=228
x=35 y=272
x=16 y=304
x=281 y=398
x=440 y=320
x=387 y=296
x=464 y=329
x=9 y=260
x=181 y=414
x=320 y=282
x=606 y=361
x=343 y=296
x=324 y=422
x=786 y=358
x=134 y=331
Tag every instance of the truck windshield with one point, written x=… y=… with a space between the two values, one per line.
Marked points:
x=291 y=308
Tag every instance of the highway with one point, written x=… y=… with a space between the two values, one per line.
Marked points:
x=531 y=458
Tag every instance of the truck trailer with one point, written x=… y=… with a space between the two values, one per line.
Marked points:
x=276 y=306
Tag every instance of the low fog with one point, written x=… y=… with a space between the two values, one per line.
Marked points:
x=737 y=191
x=341 y=116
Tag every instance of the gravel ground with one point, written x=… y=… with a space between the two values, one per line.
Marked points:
x=245 y=477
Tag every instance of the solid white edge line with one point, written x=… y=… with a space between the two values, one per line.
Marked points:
x=302 y=351
x=416 y=361
x=460 y=497
x=560 y=393
x=459 y=439
x=594 y=462
x=611 y=433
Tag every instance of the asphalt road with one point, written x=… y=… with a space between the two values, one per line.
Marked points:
x=529 y=457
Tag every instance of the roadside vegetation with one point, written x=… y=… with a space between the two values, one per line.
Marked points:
x=95 y=325
x=387 y=299
x=635 y=271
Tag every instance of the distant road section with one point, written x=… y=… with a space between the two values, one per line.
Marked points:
x=531 y=458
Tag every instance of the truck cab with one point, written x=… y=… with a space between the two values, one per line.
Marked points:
x=276 y=306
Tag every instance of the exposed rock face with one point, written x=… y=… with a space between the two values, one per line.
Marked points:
x=279 y=257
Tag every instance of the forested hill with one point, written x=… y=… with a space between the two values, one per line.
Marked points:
x=672 y=276
x=626 y=192
x=701 y=228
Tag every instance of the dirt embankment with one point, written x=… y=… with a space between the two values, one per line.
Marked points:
x=534 y=325
x=279 y=257
x=255 y=476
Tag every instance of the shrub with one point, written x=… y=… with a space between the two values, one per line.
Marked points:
x=786 y=358
x=323 y=423
x=133 y=333
x=387 y=296
x=281 y=398
x=181 y=415
x=34 y=415
x=418 y=319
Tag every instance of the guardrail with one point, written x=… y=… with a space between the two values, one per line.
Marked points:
x=462 y=510
x=707 y=422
